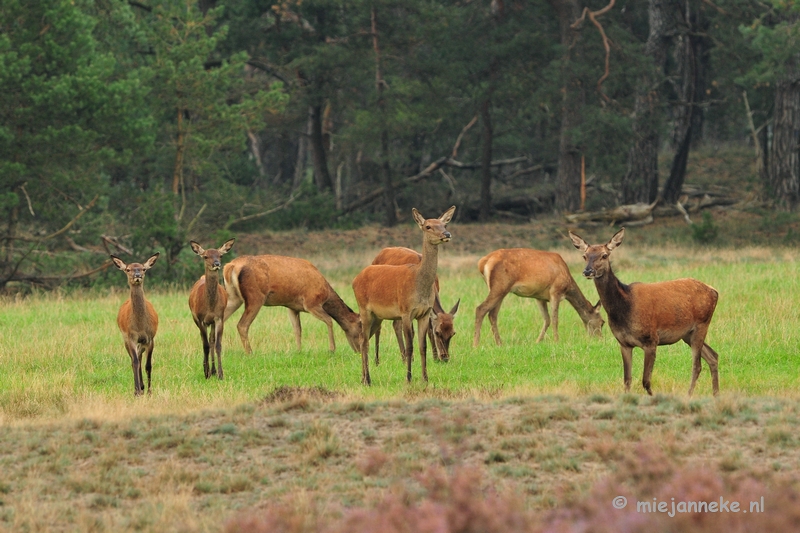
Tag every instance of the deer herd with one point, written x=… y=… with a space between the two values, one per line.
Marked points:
x=402 y=285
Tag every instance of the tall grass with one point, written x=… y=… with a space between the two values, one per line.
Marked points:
x=63 y=355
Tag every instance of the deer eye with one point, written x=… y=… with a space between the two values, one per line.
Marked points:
x=605 y=256
x=427 y=227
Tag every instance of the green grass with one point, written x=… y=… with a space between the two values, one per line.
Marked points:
x=64 y=355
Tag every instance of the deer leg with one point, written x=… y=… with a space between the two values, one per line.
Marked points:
x=294 y=318
x=546 y=316
x=555 y=302
x=649 y=363
x=423 y=324
x=250 y=313
x=397 y=325
x=135 y=365
x=233 y=304
x=204 y=337
x=493 y=313
x=325 y=317
x=712 y=358
x=219 y=326
x=377 y=345
x=408 y=332
x=212 y=341
x=366 y=329
x=376 y=331
x=627 y=358
x=433 y=338
x=148 y=366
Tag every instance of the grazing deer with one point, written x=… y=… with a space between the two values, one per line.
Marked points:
x=648 y=315
x=441 y=329
x=138 y=321
x=404 y=292
x=274 y=280
x=528 y=273
x=207 y=301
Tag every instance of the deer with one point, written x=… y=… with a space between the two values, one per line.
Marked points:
x=274 y=280
x=207 y=302
x=138 y=321
x=440 y=329
x=536 y=274
x=648 y=315
x=402 y=292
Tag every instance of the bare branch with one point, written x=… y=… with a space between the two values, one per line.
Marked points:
x=70 y=223
x=461 y=136
x=28 y=198
x=593 y=17
x=284 y=205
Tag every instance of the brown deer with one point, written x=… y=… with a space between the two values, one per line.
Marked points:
x=138 y=321
x=207 y=301
x=649 y=315
x=441 y=329
x=404 y=292
x=528 y=273
x=275 y=280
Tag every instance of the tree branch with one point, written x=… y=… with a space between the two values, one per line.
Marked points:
x=593 y=17
x=286 y=204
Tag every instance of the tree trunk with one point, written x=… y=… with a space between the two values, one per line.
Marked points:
x=322 y=177
x=640 y=183
x=784 y=163
x=568 y=189
x=390 y=216
x=486 y=163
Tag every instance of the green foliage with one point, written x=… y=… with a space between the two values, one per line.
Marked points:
x=705 y=232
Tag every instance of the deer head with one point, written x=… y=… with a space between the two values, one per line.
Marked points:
x=434 y=229
x=212 y=257
x=135 y=271
x=597 y=255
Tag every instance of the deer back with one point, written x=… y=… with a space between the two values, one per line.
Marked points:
x=526 y=272
x=276 y=280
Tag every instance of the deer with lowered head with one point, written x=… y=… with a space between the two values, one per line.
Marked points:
x=649 y=315
x=402 y=292
x=528 y=273
x=274 y=280
x=207 y=301
x=138 y=321
x=440 y=329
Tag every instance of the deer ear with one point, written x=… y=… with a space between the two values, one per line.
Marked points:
x=578 y=242
x=418 y=218
x=225 y=248
x=151 y=261
x=616 y=240
x=598 y=305
x=196 y=248
x=447 y=215
x=454 y=310
x=119 y=262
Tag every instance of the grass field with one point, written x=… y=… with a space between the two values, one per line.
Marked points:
x=79 y=452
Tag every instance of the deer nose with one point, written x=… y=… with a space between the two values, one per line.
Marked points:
x=216 y=264
x=588 y=272
x=446 y=234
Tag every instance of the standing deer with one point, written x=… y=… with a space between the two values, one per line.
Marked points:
x=138 y=321
x=649 y=315
x=207 y=301
x=404 y=292
x=528 y=273
x=274 y=280
x=441 y=329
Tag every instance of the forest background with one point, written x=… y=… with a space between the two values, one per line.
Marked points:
x=134 y=126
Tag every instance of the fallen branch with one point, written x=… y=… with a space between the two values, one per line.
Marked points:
x=621 y=213
x=286 y=204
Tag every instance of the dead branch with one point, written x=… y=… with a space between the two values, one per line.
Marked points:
x=71 y=222
x=753 y=132
x=621 y=213
x=113 y=241
x=28 y=198
x=284 y=205
x=522 y=172
x=44 y=280
x=593 y=17
x=461 y=136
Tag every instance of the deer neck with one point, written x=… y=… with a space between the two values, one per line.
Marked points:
x=139 y=307
x=426 y=273
x=212 y=284
x=614 y=295
x=575 y=297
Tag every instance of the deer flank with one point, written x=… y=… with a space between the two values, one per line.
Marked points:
x=404 y=292
x=138 y=321
x=647 y=315
x=207 y=301
x=528 y=273
x=275 y=280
